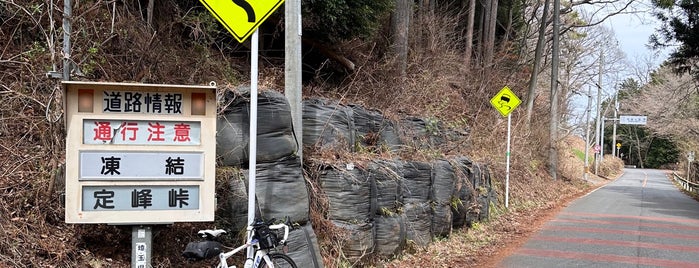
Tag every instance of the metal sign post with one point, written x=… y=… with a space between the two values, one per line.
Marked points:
x=690 y=159
x=252 y=165
x=242 y=18
x=505 y=102
x=141 y=246
x=618 y=149
x=507 y=166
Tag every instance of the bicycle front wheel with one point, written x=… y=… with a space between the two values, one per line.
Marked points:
x=279 y=260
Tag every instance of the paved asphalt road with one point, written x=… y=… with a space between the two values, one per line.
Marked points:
x=639 y=220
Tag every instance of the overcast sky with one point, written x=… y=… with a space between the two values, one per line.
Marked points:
x=633 y=32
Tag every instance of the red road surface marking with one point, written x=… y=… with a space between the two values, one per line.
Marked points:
x=644 y=224
x=596 y=215
x=604 y=258
x=624 y=232
x=634 y=244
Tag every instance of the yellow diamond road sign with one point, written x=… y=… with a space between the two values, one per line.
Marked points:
x=505 y=101
x=241 y=17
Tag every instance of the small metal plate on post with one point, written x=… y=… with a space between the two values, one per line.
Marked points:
x=141 y=246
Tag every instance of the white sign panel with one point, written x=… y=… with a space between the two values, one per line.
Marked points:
x=113 y=165
x=632 y=119
x=137 y=132
x=139 y=153
x=142 y=102
x=141 y=197
x=141 y=255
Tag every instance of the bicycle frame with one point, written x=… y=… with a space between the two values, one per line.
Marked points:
x=260 y=254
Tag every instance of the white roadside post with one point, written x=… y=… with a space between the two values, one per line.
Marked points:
x=252 y=164
x=507 y=166
x=505 y=102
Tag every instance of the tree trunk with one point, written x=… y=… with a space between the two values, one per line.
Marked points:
x=424 y=12
x=490 y=32
x=149 y=13
x=553 y=128
x=537 y=61
x=508 y=30
x=401 y=24
x=469 y=34
x=485 y=26
x=638 y=149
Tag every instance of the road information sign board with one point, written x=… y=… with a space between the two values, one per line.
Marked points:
x=633 y=119
x=139 y=153
x=505 y=101
x=241 y=17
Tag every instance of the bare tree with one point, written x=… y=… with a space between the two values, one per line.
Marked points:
x=537 y=62
x=490 y=12
x=580 y=51
x=401 y=25
x=576 y=16
x=469 y=33
x=667 y=104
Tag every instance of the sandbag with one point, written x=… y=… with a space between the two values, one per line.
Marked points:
x=281 y=190
x=420 y=133
x=348 y=192
x=442 y=219
x=374 y=130
x=275 y=132
x=359 y=244
x=387 y=182
x=465 y=208
x=232 y=131
x=238 y=202
x=303 y=247
x=417 y=181
x=391 y=235
x=328 y=125
x=443 y=182
x=487 y=195
x=418 y=221
x=275 y=137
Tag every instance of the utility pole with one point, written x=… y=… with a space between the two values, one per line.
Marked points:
x=601 y=142
x=292 y=68
x=616 y=118
x=553 y=154
x=67 y=17
x=599 y=114
x=587 y=132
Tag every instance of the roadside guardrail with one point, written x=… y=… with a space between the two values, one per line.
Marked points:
x=686 y=185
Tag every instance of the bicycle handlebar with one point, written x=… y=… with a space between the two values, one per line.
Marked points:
x=286 y=231
x=287 y=225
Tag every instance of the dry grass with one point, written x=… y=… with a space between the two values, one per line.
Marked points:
x=611 y=166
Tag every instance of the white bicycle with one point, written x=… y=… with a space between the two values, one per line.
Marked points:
x=264 y=242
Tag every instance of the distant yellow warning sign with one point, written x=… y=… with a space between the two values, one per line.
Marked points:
x=505 y=101
x=241 y=17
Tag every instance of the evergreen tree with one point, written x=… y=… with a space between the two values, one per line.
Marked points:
x=680 y=28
